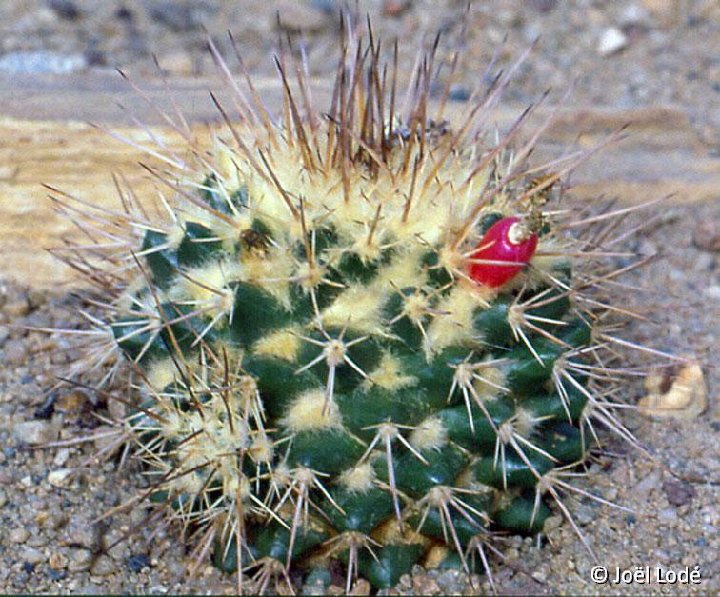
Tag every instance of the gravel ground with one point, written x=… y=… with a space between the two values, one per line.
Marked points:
x=49 y=498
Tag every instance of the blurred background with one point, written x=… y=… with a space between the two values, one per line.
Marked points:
x=625 y=53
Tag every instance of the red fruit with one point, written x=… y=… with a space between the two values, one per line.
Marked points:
x=503 y=252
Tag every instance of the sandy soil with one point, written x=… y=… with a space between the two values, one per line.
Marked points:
x=49 y=498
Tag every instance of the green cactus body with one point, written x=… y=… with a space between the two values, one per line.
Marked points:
x=321 y=378
x=380 y=413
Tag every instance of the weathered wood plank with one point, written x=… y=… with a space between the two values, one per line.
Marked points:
x=44 y=138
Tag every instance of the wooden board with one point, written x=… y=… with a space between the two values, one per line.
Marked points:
x=45 y=138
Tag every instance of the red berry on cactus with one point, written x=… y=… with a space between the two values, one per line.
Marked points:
x=504 y=251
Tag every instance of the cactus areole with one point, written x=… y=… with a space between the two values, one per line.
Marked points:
x=339 y=352
x=505 y=249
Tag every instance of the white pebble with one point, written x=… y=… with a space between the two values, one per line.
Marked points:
x=612 y=40
x=60 y=477
x=61 y=457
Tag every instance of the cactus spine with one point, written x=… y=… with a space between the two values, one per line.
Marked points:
x=333 y=359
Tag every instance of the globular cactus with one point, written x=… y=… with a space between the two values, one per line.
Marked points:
x=359 y=336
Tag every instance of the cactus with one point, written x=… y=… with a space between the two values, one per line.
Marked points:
x=358 y=336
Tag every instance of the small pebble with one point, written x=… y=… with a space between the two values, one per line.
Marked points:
x=103 y=566
x=681 y=394
x=424 y=585
x=80 y=559
x=32 y=555
x=61 y=457
x=14 y=351
x=649 y=483
x=35 y=432
x=137 y=562
x=61 y=477
x=447 y=580
x=56 y=574
x=678 y=493
x=19 y=535
x=38 y=539
x=58 y=561
x=584 y=514
x=540 y=576
x=81 y=533
x=611 y=41
x=611 y=494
